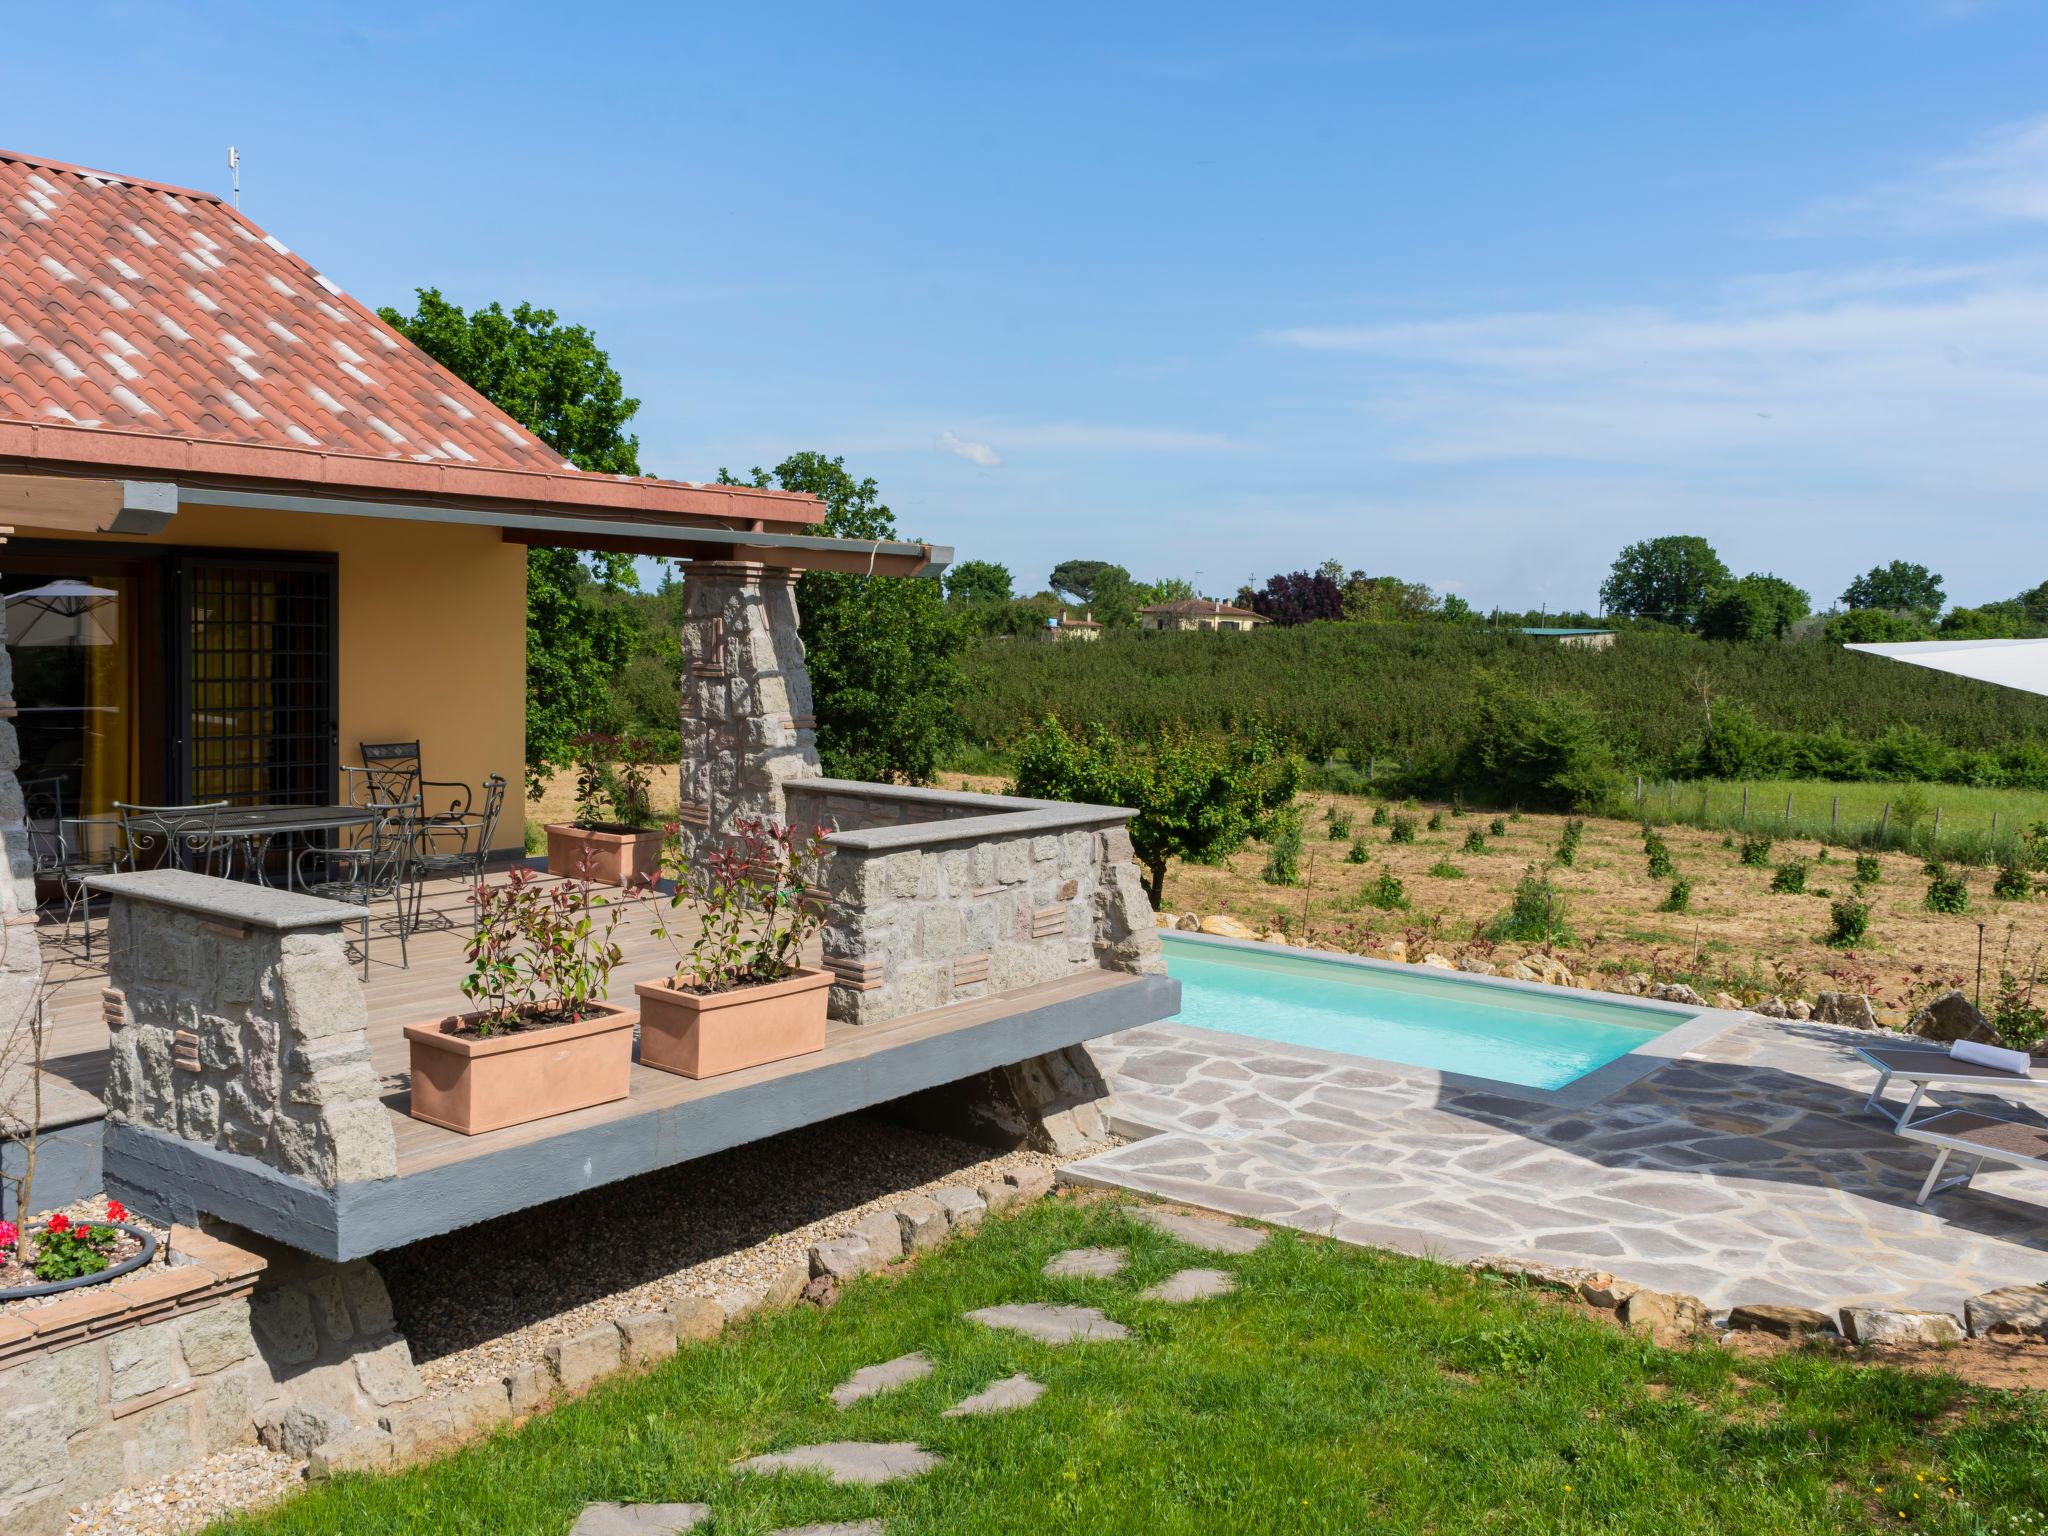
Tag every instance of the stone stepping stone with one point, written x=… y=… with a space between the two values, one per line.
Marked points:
x=872 y=1379
x=1209 y=1236
x=1191 y=1285
x=639 y=1519
x=1051 y=1324
x=1005 y=1396
x=838 y=1528
x=849 y=1461
x=1088 y=1264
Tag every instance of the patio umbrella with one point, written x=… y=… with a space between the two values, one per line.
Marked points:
x=2021 y=664
x=59 y=613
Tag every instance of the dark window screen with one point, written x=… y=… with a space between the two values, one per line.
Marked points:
x=259 y=683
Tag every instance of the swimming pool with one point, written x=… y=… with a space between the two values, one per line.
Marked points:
x=1536 y=1037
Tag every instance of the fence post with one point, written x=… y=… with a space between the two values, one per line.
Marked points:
x=1745 y=805
x=1884 y=823
x=1639 y=794
x=1670 y=794
x=1835 y=817
x=1788 y=810
x=1937 y=829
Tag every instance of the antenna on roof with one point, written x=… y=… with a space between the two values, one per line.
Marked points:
x=235 y=166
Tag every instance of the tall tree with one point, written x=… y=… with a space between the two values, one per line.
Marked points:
x=1757 y=607
x=978 y=581
x=1900 y=585
x=558 y=383
x=1114 y=598
x=1668 y=578
x=1168 y=589
x=1075 y=579
x=883 y=651
x=1299 y=597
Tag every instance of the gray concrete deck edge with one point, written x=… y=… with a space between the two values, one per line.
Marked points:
x=160 y=1173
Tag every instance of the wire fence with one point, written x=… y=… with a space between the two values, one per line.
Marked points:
x=1936 y=821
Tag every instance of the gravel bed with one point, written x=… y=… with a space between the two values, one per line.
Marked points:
x=234 y=1480
x=477 y=1302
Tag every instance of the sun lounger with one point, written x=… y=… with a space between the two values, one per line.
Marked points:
x=1980 y=1137
x=1924 y=1066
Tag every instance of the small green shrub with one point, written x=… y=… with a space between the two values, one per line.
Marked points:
x=1497 y=826
x=1756 y=850
x=1358 y=855
x=1444 y=869
x=1568 y=841
x=1946 y=890
x=1340 y=826
x=1658 y=855
x=1868 y=870
x=2012 y=883
x=1401 y=829
x=1436 y=821
x=1789 y=878
x=1379 y=814
x=1385 y=892
x=1848 y=921
x=1283 y=850
x=1475 y=841
x=1680 y=898
x=1535 y=914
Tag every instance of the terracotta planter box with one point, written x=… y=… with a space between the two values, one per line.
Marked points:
x=618 y=855
x=703 y=1036
x=471 y=1085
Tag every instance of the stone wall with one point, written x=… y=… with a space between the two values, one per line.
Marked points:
x=936 y=897
x=747 y=728
x=235 y=1021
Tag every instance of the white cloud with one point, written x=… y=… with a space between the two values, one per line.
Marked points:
x=2001 y=177
x=973 y=453
x=1072 y=434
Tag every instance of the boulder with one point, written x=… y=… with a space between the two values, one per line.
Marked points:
x=1438 y=961
x=2010 y=1310
x=1799 y=1008
x=1224 y=926
x=1899 y=1325
x=1726 y=1000
x=1848 y=1008
x=1677 y=992
x=1668 y=1317
x=1476 y=966
x=1394 y=949
x=1772 y=1007
x=1951 y=1017
x=1785 y=1322
x=1521 y=970
x=1188 y=922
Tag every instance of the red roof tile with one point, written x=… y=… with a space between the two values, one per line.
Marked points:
x=154 y=328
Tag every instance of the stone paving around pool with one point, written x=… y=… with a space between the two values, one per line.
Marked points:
x=1743 y=1171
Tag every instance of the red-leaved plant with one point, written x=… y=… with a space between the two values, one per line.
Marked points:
x=756 y=901
x=539 y=949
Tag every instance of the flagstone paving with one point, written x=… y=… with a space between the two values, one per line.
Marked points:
x=1745 y=1170
x=1199 y=1232
x=1005 y=1396
x=1051 y=1324
x=1191 y=1285
x=1087 y=1264
x=869 y=1380
x=639 y=1519
x=849 y=1461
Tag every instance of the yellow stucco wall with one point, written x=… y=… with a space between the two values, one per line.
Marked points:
x=431 y=630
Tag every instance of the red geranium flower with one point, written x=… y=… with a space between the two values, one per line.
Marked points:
x=116 y=1211
x=60 y=1222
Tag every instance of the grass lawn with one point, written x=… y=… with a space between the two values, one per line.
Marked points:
x=1337 y=1391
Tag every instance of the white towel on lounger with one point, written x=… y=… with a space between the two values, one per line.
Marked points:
x=1992 y=1056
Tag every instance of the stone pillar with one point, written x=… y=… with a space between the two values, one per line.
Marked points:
x=747 y=727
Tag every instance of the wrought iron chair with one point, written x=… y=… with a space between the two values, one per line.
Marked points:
x=178 y=836
x=55 y=853
x=471 y=838
x=391 y=775
x=379 y=866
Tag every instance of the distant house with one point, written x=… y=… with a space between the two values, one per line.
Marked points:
x=1062 y=627
x=1199 y=613
x=1590 y=639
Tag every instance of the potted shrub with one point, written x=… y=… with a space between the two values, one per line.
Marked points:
x=541 y=1039
x=740 y=995
x=615 y=838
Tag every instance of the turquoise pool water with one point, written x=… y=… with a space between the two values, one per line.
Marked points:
x=1423 y=1018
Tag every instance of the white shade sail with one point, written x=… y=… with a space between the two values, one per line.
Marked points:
x=2021 y=664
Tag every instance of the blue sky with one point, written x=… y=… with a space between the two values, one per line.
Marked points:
x=1471 y=294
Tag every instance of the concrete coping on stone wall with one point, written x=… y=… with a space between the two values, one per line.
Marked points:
x=226 y=901
x=964 y=816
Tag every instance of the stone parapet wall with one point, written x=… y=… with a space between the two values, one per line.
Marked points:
x=935 y=897
x=236 y=1021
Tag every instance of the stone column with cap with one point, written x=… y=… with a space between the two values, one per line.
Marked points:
x=747 y=727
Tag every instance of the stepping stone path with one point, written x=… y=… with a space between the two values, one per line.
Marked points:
x=1050 y=1324
x=639 y=1519
x=1191 y=1285
x=1005 y=1396
x=849 y=1461
x=1088 y=1264
x=880 y=1378
x=1209 y=1236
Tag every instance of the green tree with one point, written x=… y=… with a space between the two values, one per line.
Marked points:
x=1994 y=621
x=1168 y=589
x=1755 y=607
x=1900 y=585
x=1196 y=798
x=555 y=381
x=978 y=581
x=1075 y=579
x=1539 y=752
x=883 y=652
x=1668 y=578
x=1115 y=598
x=1862 y=626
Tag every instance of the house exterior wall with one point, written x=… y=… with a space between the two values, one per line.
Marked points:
x=430 y=627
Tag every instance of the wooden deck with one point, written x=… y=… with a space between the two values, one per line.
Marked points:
x=447 y=1179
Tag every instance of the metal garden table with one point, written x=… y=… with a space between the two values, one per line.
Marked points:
x=246 y=833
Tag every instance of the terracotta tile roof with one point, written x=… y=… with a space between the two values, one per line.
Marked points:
x=1203 y=608
x=148 y=327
